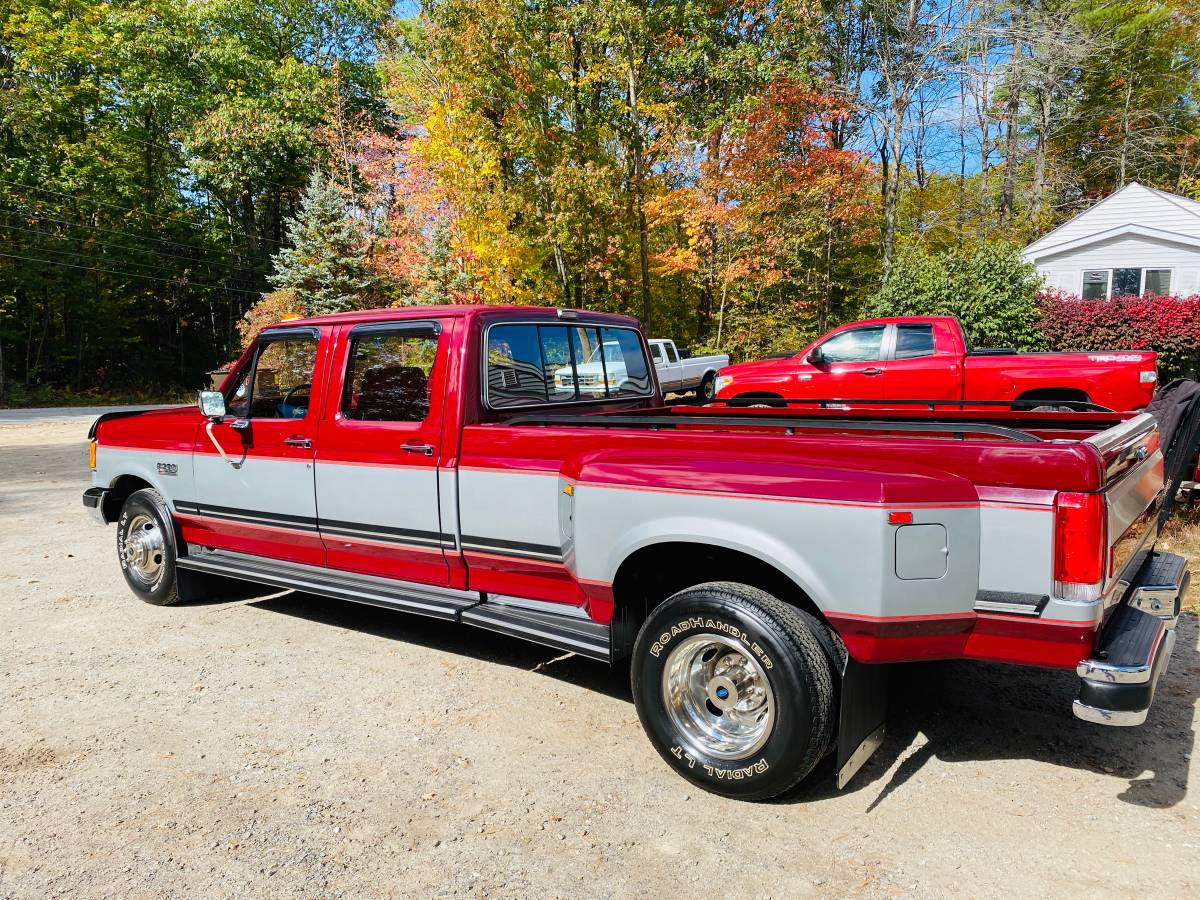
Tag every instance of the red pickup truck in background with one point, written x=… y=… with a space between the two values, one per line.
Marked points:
x=928 y=358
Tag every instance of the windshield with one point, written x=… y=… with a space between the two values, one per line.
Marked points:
x=612 y=353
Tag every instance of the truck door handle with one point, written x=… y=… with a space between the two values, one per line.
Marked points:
x=871 y=371
x=417 y=447
x=298 y=441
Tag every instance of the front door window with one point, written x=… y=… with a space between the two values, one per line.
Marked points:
x=855 y=345
x=279 y=382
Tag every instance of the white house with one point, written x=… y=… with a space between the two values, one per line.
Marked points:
x=1135 y=241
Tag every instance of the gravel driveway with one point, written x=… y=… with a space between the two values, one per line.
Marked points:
x=294 y=746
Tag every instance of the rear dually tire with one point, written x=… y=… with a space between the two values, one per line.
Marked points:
x=734 y=689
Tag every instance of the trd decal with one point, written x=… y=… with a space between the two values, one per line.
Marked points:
x=165 y=468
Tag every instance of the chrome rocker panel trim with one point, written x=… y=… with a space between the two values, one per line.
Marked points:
x=531 y=620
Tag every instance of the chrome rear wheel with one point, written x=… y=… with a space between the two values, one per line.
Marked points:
x=718 y=697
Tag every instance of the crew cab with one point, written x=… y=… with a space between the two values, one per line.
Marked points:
x=760 y=568
x=680 y=372
x=913 y=358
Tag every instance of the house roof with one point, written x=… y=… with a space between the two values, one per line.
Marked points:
x=1134 y=209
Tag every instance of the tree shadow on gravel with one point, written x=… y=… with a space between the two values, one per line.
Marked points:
x=951 y=711
x=970 y=712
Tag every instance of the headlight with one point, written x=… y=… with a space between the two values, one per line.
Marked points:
x=723 y=381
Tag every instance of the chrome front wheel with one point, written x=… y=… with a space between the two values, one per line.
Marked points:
x=146 y=548
x=143 y=549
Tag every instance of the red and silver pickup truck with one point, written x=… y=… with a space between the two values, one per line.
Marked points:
x=758 y=567
x=922 y=358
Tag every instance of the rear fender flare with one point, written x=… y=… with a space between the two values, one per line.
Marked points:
x=753 y=542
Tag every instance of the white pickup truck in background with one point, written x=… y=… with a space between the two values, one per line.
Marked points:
x=678 y=373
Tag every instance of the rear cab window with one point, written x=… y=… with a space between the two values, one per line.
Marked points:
x=536 y=364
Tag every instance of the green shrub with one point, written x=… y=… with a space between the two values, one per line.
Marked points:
x=989 y=288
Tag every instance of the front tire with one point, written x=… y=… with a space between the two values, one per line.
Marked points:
x=146 y=548
x=734 y=689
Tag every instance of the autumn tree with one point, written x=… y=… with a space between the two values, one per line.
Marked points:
x=324 y=263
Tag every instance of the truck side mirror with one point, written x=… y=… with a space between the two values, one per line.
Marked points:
x=816 y=357
x=212 y=404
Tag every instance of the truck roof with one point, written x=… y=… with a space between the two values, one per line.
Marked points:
x=902 y=320
x=400 y=313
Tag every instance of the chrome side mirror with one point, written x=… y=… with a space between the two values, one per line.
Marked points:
x=212 y=404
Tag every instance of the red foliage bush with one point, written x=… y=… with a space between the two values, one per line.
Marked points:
x=1168 y=325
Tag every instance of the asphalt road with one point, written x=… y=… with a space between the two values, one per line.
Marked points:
x=49 y=414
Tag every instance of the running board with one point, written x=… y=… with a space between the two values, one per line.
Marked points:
x=425 y=600
x=563 y=631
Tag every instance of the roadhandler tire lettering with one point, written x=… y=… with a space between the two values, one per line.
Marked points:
x=713 y=625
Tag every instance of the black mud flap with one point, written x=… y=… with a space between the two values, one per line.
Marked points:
x=862 y=716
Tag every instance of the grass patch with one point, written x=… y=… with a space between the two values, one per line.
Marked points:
x=1182 y=535
x=18 y=397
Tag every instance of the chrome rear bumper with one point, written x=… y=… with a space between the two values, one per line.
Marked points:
x=1118 y=682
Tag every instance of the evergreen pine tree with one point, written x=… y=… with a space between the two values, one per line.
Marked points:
x=325 y=265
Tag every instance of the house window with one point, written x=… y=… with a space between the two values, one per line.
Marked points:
x=1158 y=281
x=1126 y=282
x=1095 y=285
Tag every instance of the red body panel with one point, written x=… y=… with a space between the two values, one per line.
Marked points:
x=1111 y=379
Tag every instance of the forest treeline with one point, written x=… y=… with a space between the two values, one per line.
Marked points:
x=731 y=171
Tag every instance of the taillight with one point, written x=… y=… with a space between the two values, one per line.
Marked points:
x=1080 y=544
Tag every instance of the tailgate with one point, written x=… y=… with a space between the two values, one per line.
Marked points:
x=1132 y=457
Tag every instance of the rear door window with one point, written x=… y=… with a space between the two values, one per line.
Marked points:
x=388 y=375
x=914 y=341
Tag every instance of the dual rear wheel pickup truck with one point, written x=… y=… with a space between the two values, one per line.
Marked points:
x=759 y=569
